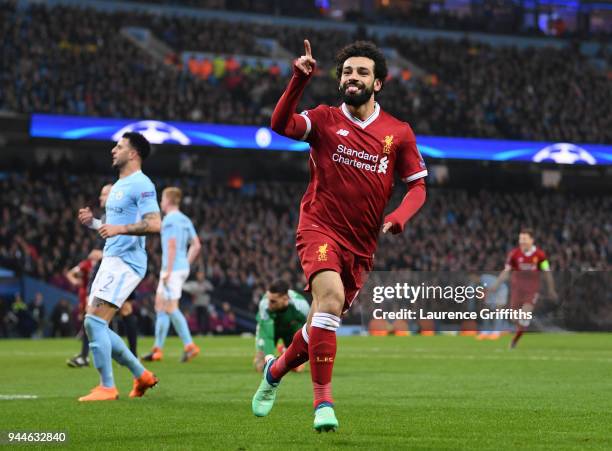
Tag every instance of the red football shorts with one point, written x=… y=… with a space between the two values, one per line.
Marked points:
x=518 y=298
x=82 y=301
x=318 y=252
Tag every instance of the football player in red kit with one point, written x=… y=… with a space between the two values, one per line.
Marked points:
x=355 y=151
x=80 y=277
x=524 y=266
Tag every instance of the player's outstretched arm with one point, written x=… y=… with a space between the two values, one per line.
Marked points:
x=265 y=336
x=194 y=250
x=149 y=224
x=552 y=292
x=74 y=276
x=411 y=203
x=285 y=121
x=503 y=276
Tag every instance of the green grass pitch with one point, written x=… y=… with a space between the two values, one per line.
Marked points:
x=552 y=392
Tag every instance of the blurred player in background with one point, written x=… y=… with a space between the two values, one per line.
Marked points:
x=494 y=300
x=80 y=276
x=524 y=266
x=282 y=312
x=355 y=151
x=77 y=275
x=131 y=212
x=180 y=247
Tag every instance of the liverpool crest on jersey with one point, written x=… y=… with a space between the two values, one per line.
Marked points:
x=388 y=142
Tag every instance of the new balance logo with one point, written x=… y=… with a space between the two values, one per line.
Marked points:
x=342 y=132
x=382 y=167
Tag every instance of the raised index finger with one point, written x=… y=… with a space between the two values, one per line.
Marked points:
x=307 y=48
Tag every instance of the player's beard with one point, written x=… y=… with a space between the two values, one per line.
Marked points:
x=119 y=164
x=358 y=98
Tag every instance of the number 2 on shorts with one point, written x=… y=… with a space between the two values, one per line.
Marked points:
x=110 y=280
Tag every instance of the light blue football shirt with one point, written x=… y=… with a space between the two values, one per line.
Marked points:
x=178 y=226
x=129 y=200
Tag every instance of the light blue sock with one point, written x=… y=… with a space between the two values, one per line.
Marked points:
x=123 y=355
x=100 y=346
x=162 y=325
x=180 y=326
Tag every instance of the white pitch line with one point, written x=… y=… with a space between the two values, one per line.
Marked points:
x=11 y=397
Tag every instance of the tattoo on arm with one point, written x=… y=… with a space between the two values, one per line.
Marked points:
x=98 y=302
x=144 y=226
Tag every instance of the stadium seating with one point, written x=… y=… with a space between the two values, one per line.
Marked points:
x=467 y=89
x=489 y=17
x=456 y=231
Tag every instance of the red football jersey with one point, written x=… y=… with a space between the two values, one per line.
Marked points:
x=526 y=267
x=85 y=267
x=352 y=167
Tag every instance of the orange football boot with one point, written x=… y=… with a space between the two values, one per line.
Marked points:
x=190 y=352
x=101 y=393
x=143 y=383
x=155 y=355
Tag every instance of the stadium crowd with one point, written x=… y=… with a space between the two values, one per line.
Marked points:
x=74 y=61
x=457 y=230
x=506 y=17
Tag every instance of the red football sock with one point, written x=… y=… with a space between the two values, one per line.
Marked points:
x=322 y=352
x=517 y=335
x=294 y=356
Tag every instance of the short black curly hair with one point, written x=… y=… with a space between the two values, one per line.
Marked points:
x=139 y=143
x=279 y=287
x=366 y=49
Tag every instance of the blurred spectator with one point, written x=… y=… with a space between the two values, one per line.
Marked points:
x=200 y=290
x=215 y=324
x=192 y=321
x=37 y=312
x=21 y=317
x=61 y=324
x=228 y=319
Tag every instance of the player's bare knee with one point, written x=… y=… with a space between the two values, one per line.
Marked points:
x=159 y=304
x=171 y=306
x=101 y=309
x=327 y=293
x=330 y=300
x=313 y=309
